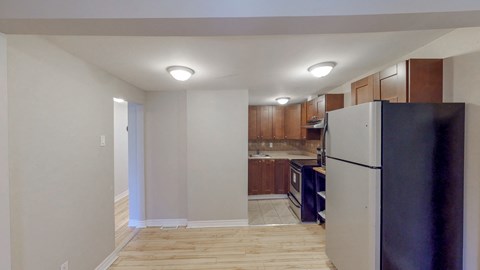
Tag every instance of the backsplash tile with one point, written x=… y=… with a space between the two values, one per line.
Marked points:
x=284 y=145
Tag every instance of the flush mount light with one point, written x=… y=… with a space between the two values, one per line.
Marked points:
x=119 y=100
x=180 y=73
x=321 y=69
x=282 y=100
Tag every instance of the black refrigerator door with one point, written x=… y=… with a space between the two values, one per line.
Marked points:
x=422 y=186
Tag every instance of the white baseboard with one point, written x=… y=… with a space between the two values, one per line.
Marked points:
x=137 y=223
x=121 y=196
x=114 y=255
x=166 y=222
x=218 y=223
x=267 y=197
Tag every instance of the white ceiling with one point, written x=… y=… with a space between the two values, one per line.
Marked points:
x=269 y=66
x=261 y=45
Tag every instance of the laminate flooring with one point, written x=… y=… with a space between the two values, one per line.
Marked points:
x=270 y=212
x=291 y=247
x=122 y=231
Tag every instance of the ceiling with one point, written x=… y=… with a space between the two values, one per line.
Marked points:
x=264 y=46
x=268 y=66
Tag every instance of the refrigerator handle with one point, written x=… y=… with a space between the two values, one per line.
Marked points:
x=324 y=135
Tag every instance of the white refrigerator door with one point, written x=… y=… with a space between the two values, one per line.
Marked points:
x=354 y=134
x=353 y=216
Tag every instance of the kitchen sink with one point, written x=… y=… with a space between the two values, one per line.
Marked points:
x=259 y=155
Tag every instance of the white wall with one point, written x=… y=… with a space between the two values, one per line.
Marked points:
x=61 y=179
x=120 y=148
x=217 y=126
x=196 y=156
x=465 y=71
x=166 y=155
x=4 y=175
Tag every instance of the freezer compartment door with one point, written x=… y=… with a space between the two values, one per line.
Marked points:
x=353 y=216
x=354 y=134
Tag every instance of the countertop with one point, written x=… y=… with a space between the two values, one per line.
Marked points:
x=319 y=169
x=284 y=155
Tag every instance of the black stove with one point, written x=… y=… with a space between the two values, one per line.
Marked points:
x=300 y=163
x=302 y=188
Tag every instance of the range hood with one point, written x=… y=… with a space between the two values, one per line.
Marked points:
x=318 y=123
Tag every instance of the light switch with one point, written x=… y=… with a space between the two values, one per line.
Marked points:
x=102 y=140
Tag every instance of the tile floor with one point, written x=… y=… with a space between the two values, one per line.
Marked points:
x=265 y=212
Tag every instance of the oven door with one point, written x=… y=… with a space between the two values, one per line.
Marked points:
x=296 y=183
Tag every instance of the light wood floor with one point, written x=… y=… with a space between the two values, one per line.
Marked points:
x=254 y=247
x=122 y=231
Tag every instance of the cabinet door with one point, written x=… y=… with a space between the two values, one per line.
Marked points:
x=425 y=80
x=303 y=121
x=393 y=83
x=365 y=90
x=265 y=117
x=254 y=176
x=282 y=176
x=312 y=110
x=278 y=122
x=253 y=133
x=293 y=121
x=333 y=102
x=320 y=107
x=268 y=176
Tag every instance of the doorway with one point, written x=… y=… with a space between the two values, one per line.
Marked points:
x=121 y=187
x=129 y=180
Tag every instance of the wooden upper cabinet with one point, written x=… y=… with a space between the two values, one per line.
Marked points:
x=265 y=119
x=414 y=80
x=320 y=104
x=311 y=110
x=278 y=126
x=293 y=117
x=425 y=80
x=365 y=90
x=303 y=121
x=260 y=122
x=253 y=133
x=331 y=102
x=393 y=83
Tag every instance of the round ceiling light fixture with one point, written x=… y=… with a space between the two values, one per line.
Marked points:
x=321 y=69
x=282 y=100
x=180 y=73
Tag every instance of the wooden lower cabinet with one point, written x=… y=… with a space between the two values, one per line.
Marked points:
x=254 y=176
x=282 y=176
x=268 y=176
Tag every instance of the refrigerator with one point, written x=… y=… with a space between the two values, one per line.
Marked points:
x=394 y=186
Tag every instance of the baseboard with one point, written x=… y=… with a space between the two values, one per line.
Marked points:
x=121 y=196
x=218 y=223
x=114 y=255
x=268 y=197
x=137 y=223
x=166 y=222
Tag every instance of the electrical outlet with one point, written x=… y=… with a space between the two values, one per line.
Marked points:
x=64 y=266
x=271 y=145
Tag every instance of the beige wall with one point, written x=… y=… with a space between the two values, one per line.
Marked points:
x=120 y=148
x=217 y=143
x=465 y=82
x=61 y=179
x=4 y=176
x=166 y=155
